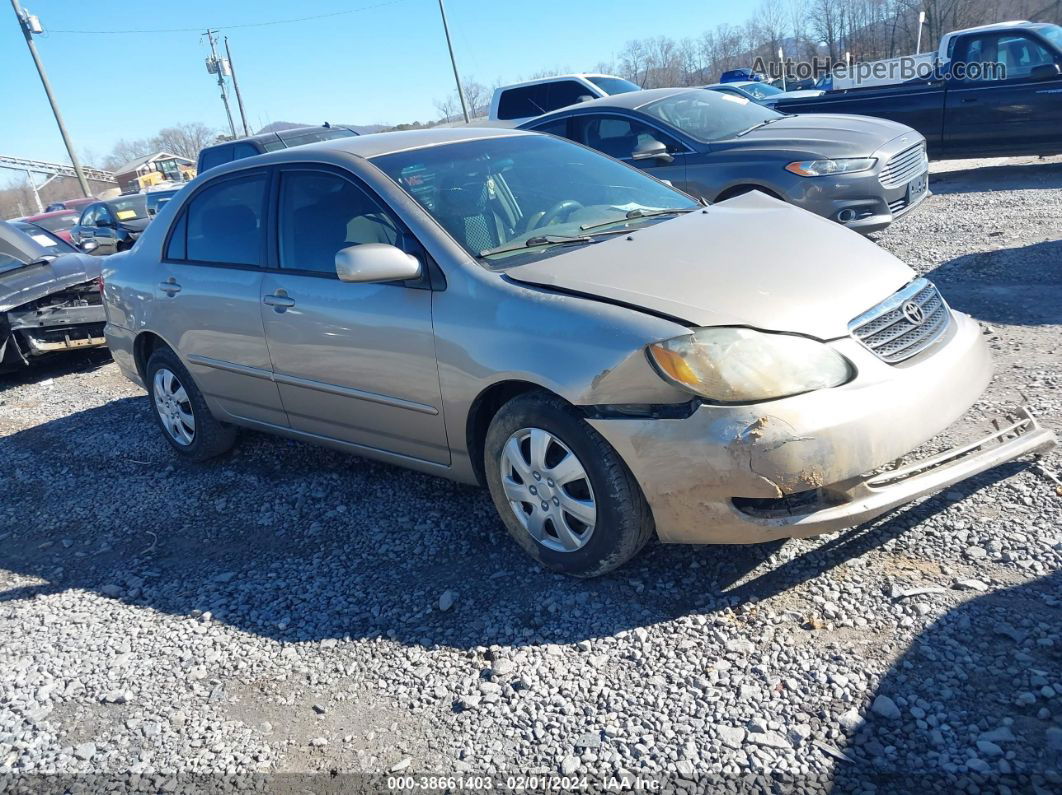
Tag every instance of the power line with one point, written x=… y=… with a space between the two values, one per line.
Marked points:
x=240 y=25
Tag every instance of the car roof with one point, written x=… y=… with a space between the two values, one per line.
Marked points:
x=555 y=78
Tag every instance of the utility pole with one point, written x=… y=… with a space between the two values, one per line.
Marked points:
x=30 y=26
x=216 y=66
x=457 y=77
x=236 y=86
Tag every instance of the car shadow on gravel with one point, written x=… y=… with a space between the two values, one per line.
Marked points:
x=1021 y=176
x=302 y=544
x=971 y=702
x=1017 y=286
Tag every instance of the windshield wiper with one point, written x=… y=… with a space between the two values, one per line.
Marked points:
x=537 y=240
x=639 y=212
x=757 y=126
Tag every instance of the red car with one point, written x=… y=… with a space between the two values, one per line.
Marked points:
x=70 y=204
x=58 y=222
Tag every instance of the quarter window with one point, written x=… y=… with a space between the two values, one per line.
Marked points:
x=321 y=213
x=224 y=222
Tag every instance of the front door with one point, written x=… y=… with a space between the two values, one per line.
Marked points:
x=208 y=297
x=353 y=362
x=1013 y=107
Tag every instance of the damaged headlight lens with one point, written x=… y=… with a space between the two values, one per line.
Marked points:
x=739 y=365
x=822 y=168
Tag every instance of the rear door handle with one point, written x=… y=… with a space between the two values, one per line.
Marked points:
x=279 y=301
x=170 y=287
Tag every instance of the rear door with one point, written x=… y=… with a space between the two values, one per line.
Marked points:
x=1010 y=107
x=208 y=296
x=353 y=362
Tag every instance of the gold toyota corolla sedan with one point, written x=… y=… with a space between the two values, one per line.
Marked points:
x=609 y=357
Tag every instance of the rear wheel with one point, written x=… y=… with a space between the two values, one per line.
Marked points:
x=563 y=493
x=181 y=411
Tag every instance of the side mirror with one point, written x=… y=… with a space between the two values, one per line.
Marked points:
x=652 y=150
x=1046 y=71
x=375 y=262
x=88 y=245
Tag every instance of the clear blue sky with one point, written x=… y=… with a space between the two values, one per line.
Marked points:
x=384 y=63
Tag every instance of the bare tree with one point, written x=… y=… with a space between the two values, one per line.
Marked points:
x=184 y=140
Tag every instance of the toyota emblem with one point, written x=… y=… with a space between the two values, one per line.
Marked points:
x=913 y=312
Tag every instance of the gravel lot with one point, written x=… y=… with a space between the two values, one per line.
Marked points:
x=289 y=610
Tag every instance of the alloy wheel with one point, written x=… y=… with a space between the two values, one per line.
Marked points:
x=548 y=489
x=173 y=406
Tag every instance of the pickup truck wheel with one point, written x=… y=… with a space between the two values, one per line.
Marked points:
x=181 y=411
x=563 y=493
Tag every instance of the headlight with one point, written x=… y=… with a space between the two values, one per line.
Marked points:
x=739 y=365
x=822 y=168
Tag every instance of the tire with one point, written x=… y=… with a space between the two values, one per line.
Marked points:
x=174 y=398
x=621 y=521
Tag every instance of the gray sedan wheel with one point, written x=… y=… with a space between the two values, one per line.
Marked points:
x=563 y=493
x=181 y=411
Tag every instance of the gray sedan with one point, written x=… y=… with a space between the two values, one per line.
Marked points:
x=612 y=359
x=862 y=172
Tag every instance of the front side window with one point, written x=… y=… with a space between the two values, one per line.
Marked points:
x=225 y=222
x=513 y=191
x=710 y=115
x=619 y=136
x=321 y=213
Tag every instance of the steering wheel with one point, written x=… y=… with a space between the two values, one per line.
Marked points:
x=568 y=206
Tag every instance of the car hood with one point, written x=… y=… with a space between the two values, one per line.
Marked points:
x=32 y=282
x=750 y=261
x=819 y=134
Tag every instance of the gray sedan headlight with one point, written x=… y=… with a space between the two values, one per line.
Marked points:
x=740 y=365
x=822 y=168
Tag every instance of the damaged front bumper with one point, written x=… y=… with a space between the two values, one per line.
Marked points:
x=799 y=466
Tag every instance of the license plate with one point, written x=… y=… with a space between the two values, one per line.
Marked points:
x=916 y=187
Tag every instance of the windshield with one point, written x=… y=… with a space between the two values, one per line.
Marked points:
x=56 y=223
x=1053 y=33
x=42 y=237
x=511 y=192
x=614 y=85
x=761 y=90
x=710 y=115
x=129 y=208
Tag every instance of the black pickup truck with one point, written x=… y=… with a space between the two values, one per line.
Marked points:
x=1018 y=114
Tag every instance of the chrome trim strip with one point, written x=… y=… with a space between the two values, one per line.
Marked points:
x=230 y=367
x=357 y=394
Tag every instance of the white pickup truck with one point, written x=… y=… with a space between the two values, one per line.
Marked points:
x=514 y=104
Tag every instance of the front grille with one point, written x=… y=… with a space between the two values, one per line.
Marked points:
x=904 y=166
x=888 y=331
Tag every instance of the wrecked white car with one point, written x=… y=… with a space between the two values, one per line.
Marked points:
x=50 y=297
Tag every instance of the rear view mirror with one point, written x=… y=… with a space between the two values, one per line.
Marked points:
x=375 y=262
x=652 y=150
x=1047 y=71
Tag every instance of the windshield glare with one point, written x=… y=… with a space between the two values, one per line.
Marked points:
x=505 y=191
x=709 y=115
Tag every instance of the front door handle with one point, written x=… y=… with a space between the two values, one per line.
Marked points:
x=170 y=287
x=280 y=301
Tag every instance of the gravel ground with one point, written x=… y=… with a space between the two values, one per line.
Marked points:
x=289 y=610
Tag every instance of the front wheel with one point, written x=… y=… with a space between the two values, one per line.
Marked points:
x=181 y=411
x=563 y=493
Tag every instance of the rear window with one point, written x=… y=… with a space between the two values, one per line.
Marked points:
x=300 y=137
x=214 y=156
x=614 y=85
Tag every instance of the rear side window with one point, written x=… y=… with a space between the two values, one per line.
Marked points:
x=223 y=223
x=518 y=103
x=215 y=156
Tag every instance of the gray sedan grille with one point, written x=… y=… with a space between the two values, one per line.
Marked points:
x=904 y=324
x=904 y=166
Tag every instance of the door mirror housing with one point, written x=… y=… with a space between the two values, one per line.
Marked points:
x=375 y=262
x=1047 y=71
x=652 y=150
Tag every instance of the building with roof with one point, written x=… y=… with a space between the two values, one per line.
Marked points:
x=148 y=170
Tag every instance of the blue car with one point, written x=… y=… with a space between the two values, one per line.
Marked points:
x=741 y=75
